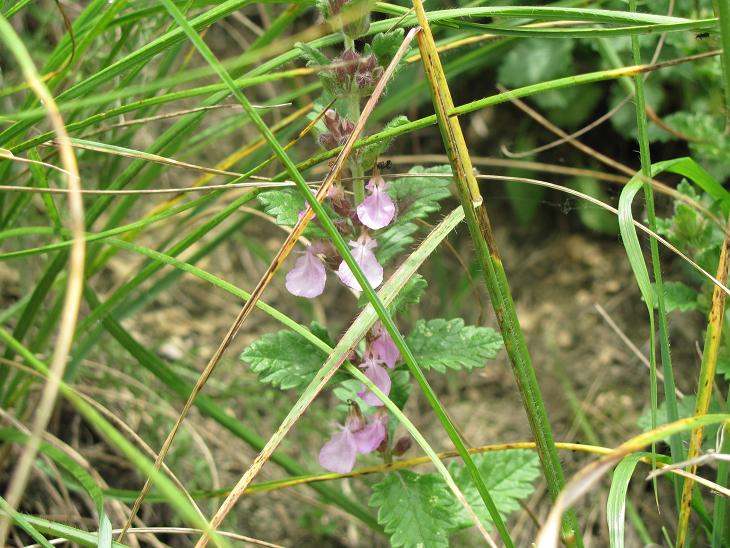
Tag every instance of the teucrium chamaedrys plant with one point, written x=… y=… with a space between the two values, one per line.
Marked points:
x=379 y=217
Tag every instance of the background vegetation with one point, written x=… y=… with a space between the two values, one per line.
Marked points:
x=154 y=162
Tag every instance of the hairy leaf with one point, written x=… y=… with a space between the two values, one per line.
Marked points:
x=386 y=44
x=283 y=205
x=394 y=240
x=440 y=344
x=419 y=196
x=415 y=509
x=678 y=296
x=285 y=359
x=509 y=476
x=370 y=153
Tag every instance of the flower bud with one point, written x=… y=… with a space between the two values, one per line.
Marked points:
x=402 y=445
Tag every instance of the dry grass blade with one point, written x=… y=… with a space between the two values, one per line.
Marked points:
x=646 y=230
x=704 y=391
x=74 y=284
x=139 y=155
x=610 y=162
x=588 y=476
x=4 y=153
x=278 y=260
x=284 y=251
x=168 y=115
x=177 y=531
x=629 y=343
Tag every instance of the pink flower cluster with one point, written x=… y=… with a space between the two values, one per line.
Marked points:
x=359 y=436
x=307 y=278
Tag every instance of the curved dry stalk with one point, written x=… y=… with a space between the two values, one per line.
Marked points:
x=175 y=531
x=278 y=260
x=618 y=166
x=74 y=284
x=629 y=343
x=8 y=155
x=613 y=210
x=589 y=475
x=147 y=156
x=175 y=114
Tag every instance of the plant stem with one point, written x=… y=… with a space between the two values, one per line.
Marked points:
x=704 y=390
x=358 y=183
x=722 y=10
x=495 y=276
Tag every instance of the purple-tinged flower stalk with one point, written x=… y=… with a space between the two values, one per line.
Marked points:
x=338 y=130
x=352 y=68
x=356 y=437
x=365 y=258
x=378 y=209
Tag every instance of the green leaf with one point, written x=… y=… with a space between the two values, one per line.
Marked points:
x=284 y=205
x=509 y=476
x=394 y=240
x=723 y=367
x=410 y=294
x=616 y=505
x=284 y=359
x=678 y=296
x=712 y=147
x=440 y=344
x=371 y=152
x=312 y=55
x=419 y=196
x=416 y=510
x=385 y=45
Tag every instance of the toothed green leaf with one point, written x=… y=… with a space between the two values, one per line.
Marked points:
x=416 y=510
x=449 y=344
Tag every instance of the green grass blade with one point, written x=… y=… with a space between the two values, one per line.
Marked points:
x=23 y=521
x=175 y=498
x=616 y=505
x=72 y=467
x=60 y=530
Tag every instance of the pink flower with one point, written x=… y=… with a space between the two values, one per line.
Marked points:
x=378 y=209
x=383 y=347
x=357 y=436
x=373 y=434
x=308 y=276
x=338 y=454
x=365 y=258
x=379 y=375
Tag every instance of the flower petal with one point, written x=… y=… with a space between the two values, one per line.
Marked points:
x=365 y=258
x=384 y=348
x=338 y=454
x=308 y=276
x=369 y=438
x=379 y=375
x=378 y=209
